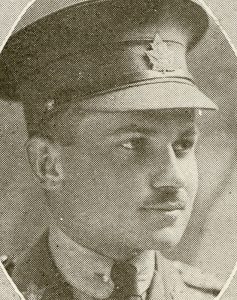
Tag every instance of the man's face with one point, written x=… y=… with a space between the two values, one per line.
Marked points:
x=130 y=179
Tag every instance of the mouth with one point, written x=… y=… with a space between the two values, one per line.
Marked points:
x=165 y=208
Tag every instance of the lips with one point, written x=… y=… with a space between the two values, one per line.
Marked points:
x=166 y=202
x=167 y=207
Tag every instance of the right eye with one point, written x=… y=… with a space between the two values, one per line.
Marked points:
x=134 y=144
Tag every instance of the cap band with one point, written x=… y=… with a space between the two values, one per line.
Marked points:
x=109 y=67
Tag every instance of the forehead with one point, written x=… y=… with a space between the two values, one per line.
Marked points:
x=168 y=118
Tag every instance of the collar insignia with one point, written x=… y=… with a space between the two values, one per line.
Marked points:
x=161 y=58
x=33 y=292
x=50 y=105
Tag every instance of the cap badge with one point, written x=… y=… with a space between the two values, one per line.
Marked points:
x=161 y=58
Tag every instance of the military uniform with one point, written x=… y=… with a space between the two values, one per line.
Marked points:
x=124 y=49
x=37 y=277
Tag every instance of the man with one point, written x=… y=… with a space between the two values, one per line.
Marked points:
x=111 y=111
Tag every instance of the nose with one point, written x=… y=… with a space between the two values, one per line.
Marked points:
x=166 y=172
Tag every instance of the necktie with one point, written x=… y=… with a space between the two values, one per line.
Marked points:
x=124 y=276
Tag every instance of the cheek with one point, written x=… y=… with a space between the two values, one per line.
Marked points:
x=99 y=177
x=189 y=171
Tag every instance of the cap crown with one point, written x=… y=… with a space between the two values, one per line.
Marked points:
x=93 y=29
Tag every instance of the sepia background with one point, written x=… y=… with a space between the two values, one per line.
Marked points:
x=211 y=238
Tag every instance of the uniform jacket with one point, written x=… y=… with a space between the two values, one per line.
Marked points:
x=37 y=277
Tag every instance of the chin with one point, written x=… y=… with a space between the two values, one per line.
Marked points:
x=166 y=239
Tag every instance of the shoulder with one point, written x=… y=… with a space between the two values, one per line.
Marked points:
x=198 y=283
x=35 y=274
x=195 y=277
x=7 y=289
x=8 y=263
x=190 y=282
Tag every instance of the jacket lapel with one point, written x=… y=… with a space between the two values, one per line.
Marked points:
x=157 y=289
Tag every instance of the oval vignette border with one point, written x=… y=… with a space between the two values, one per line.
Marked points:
x=210 y=13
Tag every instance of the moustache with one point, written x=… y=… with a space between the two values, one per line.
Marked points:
x=167 y=199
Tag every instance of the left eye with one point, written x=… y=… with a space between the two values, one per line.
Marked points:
x=134 y=144
x=183 y=146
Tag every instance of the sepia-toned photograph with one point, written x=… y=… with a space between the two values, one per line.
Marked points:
x=118 y=138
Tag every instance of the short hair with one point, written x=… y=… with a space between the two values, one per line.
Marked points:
x=56 y=126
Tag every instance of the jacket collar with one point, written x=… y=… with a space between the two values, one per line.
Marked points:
x=36 y=272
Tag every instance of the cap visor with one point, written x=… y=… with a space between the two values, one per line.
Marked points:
x=162 y=95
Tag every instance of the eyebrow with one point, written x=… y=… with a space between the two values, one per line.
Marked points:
x=134 y=128
x=144 y=130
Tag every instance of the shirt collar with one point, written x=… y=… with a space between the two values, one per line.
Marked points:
x=89 y=272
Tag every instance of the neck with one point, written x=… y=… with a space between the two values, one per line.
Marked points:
x=77 y=265
x=87 y=271
x=118 y=252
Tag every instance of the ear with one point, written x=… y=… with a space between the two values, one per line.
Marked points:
x=45 y=161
